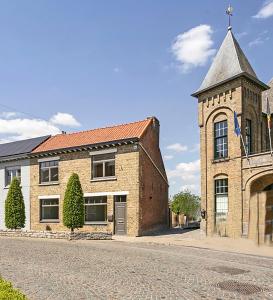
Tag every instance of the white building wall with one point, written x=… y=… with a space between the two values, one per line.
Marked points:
x=25 y=183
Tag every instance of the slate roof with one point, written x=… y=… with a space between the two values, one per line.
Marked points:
x=269 y=94
x=230 y=62
x=21 y=147
x=95 y=136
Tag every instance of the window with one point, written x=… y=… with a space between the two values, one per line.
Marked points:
x=221 y=199
x=49 y=210
x=121 y=198
x=220 y=140
x=12 y=172
x=95 y=210
x=103 y=165
x=49 y=171
x=248 y=136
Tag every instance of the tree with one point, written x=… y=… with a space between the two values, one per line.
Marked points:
x=187 y=203
x=15 y=216
x=73 y=208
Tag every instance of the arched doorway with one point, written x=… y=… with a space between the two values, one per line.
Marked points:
x=261 y=210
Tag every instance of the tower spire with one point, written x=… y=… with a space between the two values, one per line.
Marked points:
x=229 y=12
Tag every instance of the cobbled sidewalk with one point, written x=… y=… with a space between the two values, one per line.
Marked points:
x=52 y=269
x=194 y=238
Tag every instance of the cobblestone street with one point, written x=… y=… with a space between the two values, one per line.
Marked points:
x=50 y=269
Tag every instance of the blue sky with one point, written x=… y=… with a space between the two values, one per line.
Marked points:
x=74 y=65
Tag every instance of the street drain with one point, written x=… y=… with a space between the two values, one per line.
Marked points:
x=228 y=270
x=239 y=287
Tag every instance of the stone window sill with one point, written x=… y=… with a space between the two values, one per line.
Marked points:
x=50 y=221
x=49 y=183
x=103 y=179
x=219 y=160
x=96 y=223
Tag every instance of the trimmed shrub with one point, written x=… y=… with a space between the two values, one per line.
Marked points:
x=14 y=206
x=7 y=292
x=73 y=208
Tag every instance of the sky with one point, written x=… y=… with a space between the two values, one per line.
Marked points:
x=76 y=65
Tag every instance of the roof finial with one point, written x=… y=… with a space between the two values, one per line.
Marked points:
x=229 y=12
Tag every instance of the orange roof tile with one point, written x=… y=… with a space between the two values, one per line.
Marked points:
x=94 y=136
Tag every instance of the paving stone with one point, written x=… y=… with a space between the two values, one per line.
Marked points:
x=60 y=269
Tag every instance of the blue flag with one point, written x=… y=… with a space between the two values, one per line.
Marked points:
x=237 y=129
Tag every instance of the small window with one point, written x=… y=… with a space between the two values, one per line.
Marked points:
x=220 y=140
x=49 y=210
x=103 y=165
x=95 y=210
x=221 y=199
x=49 y=171
x=12 y=172
x=121 y=198
x=248 y=136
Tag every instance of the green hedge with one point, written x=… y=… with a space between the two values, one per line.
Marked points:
x=7 y=292
x=73 y=207
x=14 y=206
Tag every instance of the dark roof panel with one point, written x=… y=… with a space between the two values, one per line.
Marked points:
x=21 y=147
x=229 y=62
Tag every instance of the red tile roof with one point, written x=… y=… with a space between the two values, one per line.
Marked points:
x=95 y=136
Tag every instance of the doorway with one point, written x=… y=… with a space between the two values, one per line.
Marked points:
x=120 y=211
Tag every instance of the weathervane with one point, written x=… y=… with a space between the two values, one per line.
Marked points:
x=229 y=12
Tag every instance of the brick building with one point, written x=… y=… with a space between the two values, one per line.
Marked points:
x=121 y=172
x=237 y=193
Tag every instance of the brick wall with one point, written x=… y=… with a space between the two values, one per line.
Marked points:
x=127 y=174
x=216 y=105
x=153 y=187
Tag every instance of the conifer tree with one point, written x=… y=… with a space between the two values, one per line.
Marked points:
x=15 y=216
x=73 y=207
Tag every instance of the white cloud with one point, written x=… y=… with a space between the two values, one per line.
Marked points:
x=195 y=148
x=168 y=157
x=188 y=175
x=177 y=147
x=8 y=114
x=17 y=129
x=13 y=127
x=266 y=11
x=261 y=39
x=241 y=35
x=65 y=119
x=193 y=48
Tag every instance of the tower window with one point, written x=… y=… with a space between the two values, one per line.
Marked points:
x=220 y=139
x=221 y=199
x=248 y=136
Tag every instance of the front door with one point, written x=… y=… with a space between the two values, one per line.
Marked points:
x=120 y=215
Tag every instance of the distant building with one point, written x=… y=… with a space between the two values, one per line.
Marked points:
x=237 y=194
x=14 y=161
x=122 y=175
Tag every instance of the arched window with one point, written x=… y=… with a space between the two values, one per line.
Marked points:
x=221 y=199
x=220 y=139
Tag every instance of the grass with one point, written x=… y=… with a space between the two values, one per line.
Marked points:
x=7 y=292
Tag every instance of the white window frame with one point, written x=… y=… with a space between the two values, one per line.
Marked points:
x=96 y=204
x=103 y=162
x=48 y=197
x=40 y=161
x=16 y=168
x=223 y=195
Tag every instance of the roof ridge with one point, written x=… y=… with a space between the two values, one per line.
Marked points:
x=237 y=49
x=99 y=128
x=241 y=55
